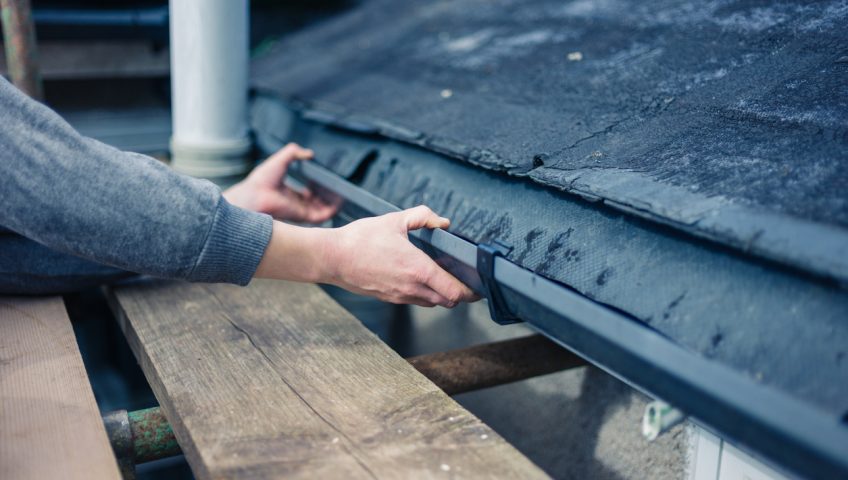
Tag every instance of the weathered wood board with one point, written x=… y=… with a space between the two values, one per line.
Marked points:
x=277 y=380
x=50 y=426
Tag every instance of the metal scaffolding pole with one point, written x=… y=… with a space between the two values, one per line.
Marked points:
x=19 y=43
x=492 y=364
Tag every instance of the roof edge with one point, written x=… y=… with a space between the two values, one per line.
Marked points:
x=812 y=247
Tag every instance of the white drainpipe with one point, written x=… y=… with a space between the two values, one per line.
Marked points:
x=209 y=62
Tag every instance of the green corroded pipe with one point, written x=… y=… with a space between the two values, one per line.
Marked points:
x=152 y=435
x=139 y=437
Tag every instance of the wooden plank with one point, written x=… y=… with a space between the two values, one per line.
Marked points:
x=277 y=380
x=50 y=426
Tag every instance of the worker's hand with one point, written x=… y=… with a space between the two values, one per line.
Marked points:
x=263 y=190
x=374 y=257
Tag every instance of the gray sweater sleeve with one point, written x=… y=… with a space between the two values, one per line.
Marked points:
x=78 y=196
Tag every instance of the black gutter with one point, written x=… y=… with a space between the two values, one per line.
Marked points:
x=765 y=421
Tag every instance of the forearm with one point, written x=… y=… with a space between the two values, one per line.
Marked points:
x=81 y=197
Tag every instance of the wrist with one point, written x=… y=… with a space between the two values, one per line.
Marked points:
x=328 y=248
x=296 y=253
x=239 y=195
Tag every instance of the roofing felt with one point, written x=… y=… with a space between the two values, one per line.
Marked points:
x=726 y=119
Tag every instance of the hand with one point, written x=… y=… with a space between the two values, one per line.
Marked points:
x=374 y=257
x=264 y=191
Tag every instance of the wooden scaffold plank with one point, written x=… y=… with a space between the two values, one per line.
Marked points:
x=277 y=380
x=50 y=426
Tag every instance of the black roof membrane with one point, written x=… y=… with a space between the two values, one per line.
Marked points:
x=726 y=119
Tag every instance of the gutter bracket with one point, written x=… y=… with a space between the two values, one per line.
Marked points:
x=498 y=308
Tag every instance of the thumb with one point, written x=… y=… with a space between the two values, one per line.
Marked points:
x=422 y=217
x=272 y=171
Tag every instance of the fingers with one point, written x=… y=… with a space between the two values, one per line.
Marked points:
x=428 y=281
x=319 y=212
x=319 y=209
x=447 y=286
x=290 y=153
x=272 y=171
x=304 y=207
x=425 y=297
x=422 y=217
x=449 y=289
